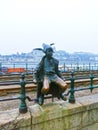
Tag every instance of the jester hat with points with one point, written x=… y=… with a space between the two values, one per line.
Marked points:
x=45 y=47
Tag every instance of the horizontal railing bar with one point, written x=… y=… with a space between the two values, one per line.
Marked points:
x=80 y=89
x=73 y=79
x=8 y=99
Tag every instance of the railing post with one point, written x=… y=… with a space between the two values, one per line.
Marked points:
x=71 y=97
x=0 y=66
x=23 y=106
x=14 y=65
x=64 y=67
x=26 y=66
x=91 y=82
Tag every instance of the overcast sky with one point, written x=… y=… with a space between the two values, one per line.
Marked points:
x=71 y=24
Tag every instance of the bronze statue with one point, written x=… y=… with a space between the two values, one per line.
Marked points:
x=48 y=76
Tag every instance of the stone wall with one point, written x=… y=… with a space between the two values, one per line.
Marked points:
x=59 y=115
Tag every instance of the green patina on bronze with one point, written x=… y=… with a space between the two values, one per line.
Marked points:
x=48 y=77
x=73 y=89
x=23 y=106
x=72 y=98
x=91 y=82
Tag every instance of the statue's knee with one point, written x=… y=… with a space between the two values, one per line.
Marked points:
x=45 y=90
x=64 y=86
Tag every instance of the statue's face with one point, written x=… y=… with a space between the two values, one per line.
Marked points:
x=49 y=53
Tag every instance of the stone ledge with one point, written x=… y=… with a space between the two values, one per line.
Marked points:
x=12 y=119
x=68 y=116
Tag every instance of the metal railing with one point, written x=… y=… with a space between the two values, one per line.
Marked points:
x=64 y=67
x=22 y=97
x=23 y=106
x=72 y=89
